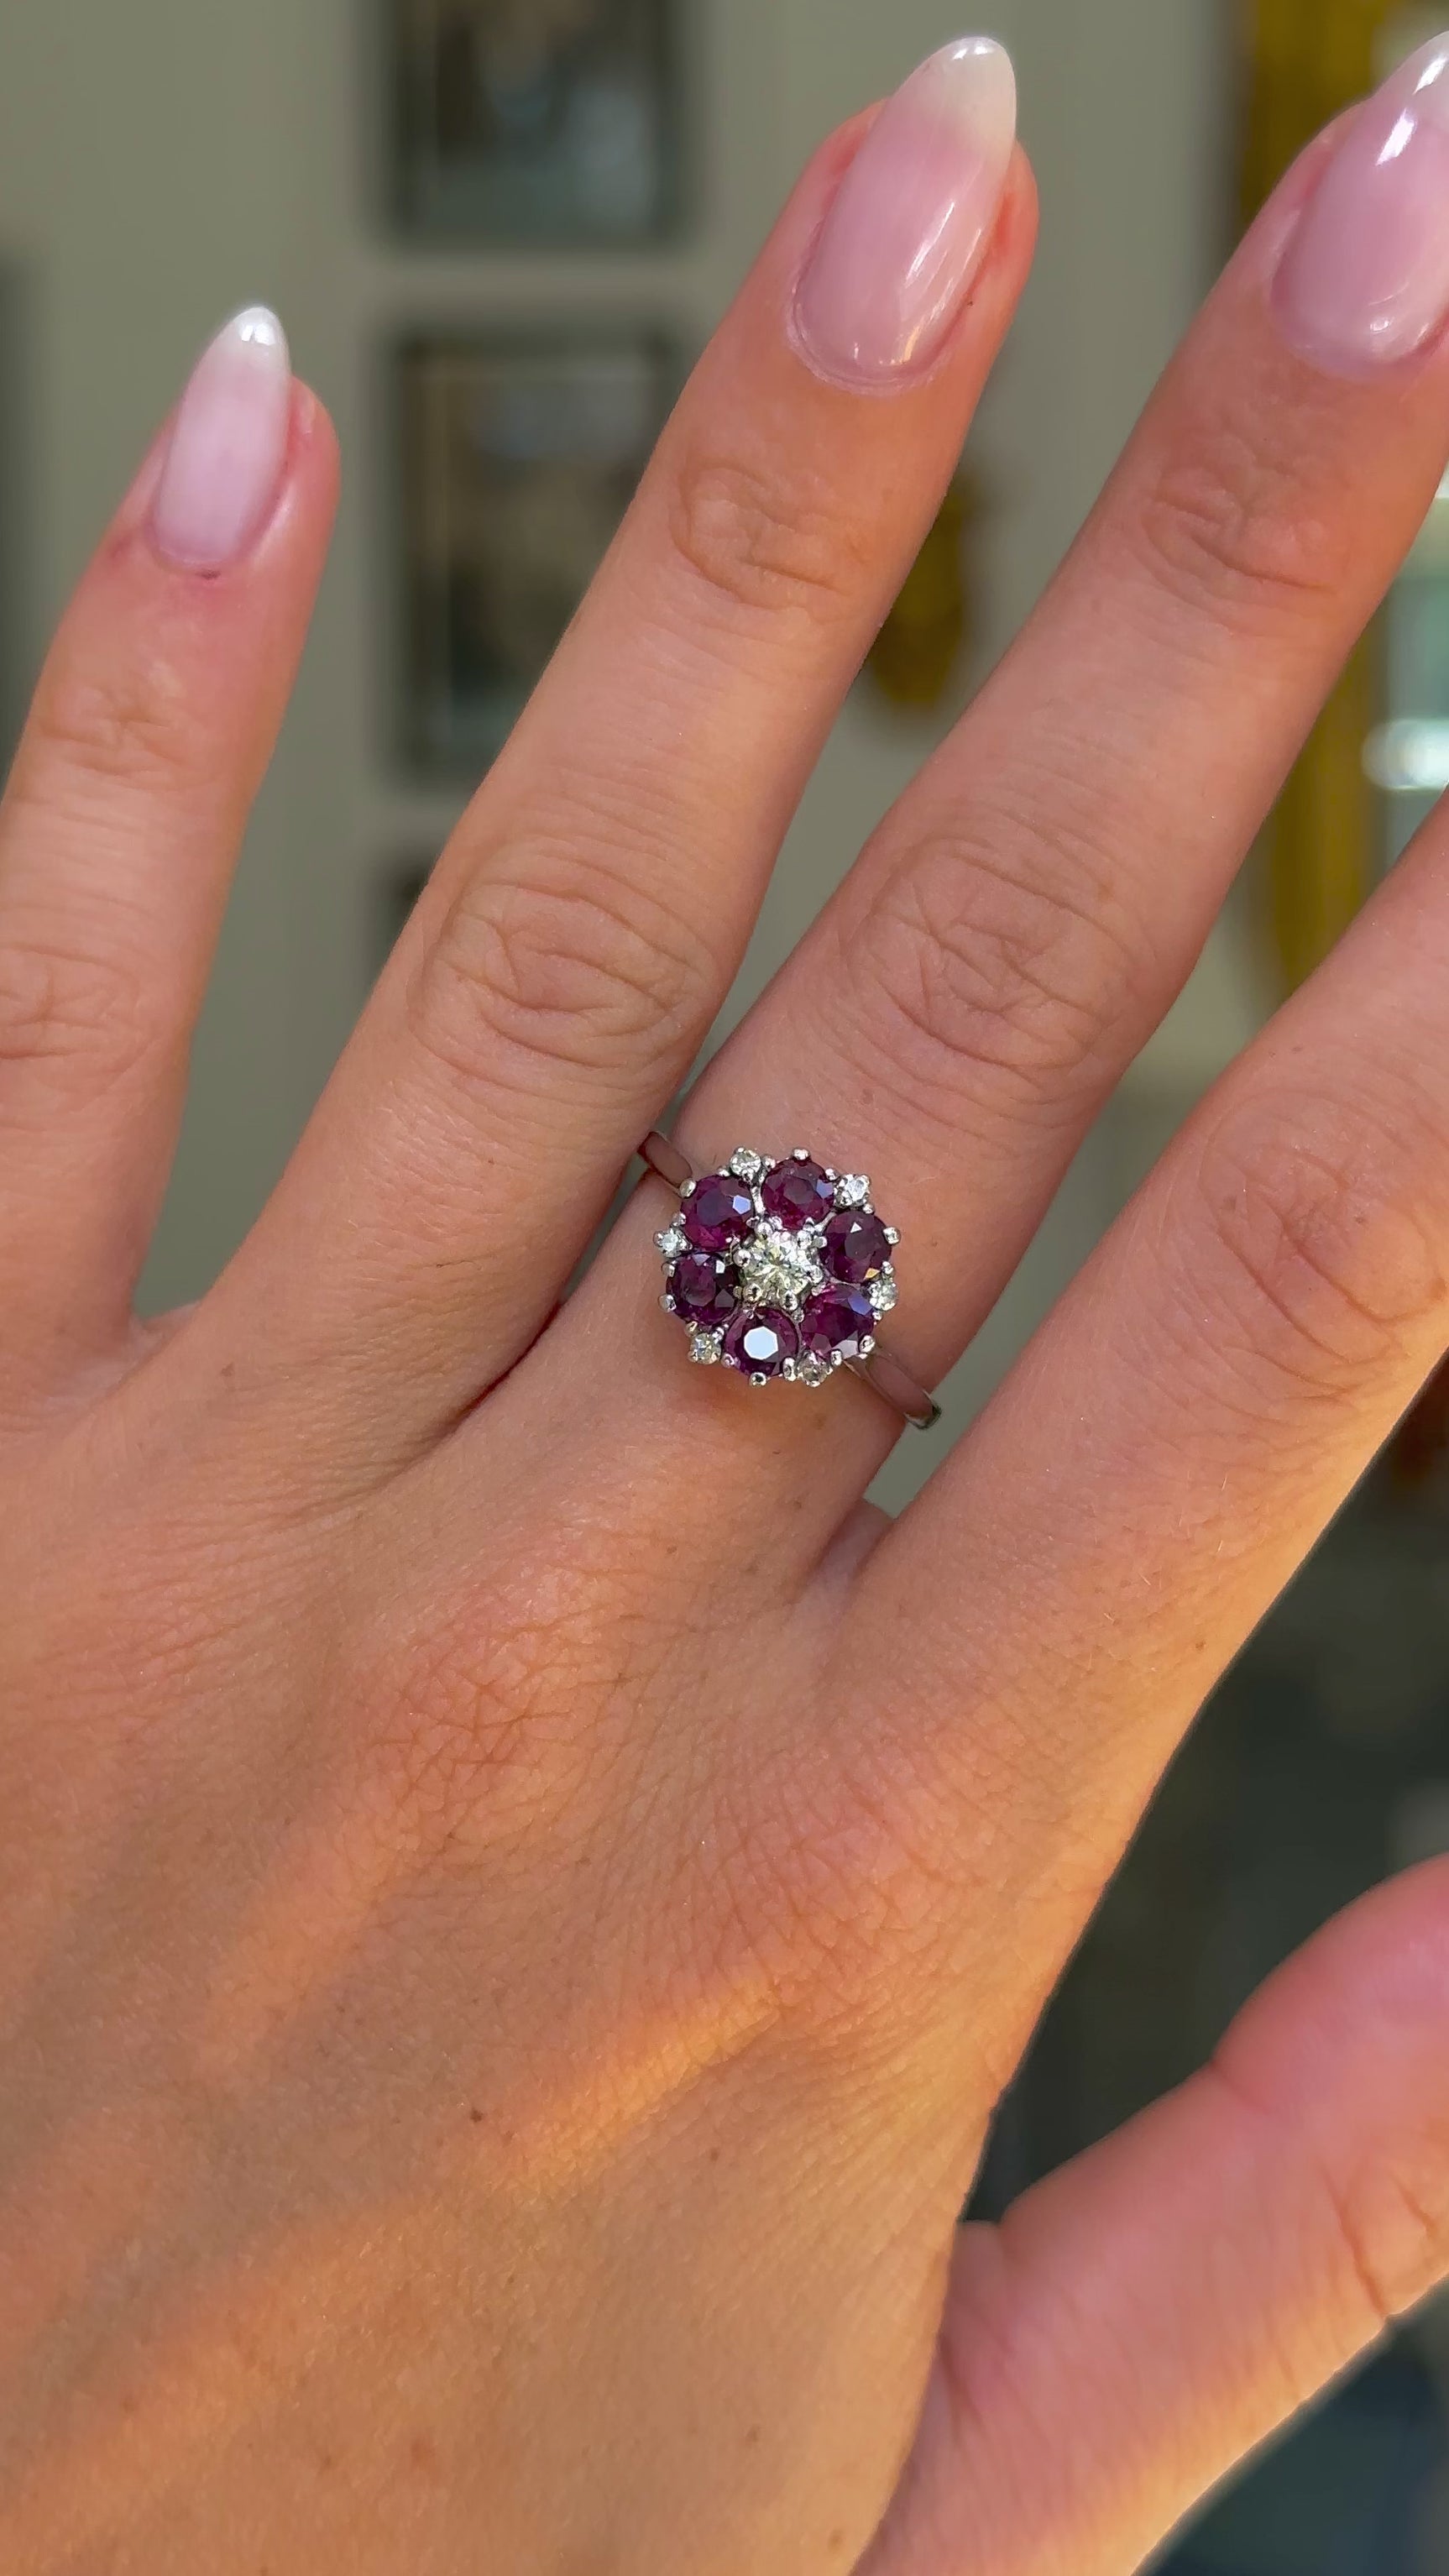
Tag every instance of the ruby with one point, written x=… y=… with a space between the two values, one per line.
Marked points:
x=718 y=1212
x=761 y=1344
x=798 y=1194
x=857 y=1248
x=704 y=1289
x=836 y=1324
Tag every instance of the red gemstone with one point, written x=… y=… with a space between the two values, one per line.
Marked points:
x=704 y=1289
x=837 y=1323
x=857 y=1248
x=761 y=1344
x=798 y=1194
x=718 y=1213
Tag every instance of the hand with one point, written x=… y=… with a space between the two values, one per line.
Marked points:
x=520 y=1894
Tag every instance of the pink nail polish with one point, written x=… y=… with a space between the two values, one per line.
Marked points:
x=228 y=447
x=908 y=230
x=1365 y=279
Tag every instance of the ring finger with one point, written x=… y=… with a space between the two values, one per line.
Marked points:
x=1033 y=906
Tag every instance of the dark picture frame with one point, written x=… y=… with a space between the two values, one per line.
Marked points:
x=519 y=455
x=544 y=124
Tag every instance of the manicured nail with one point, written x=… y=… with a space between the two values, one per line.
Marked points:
x=228 y=447
x=907 y=232
x=1365 y=279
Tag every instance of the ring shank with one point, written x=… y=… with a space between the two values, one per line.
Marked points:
x=899 y=1389
x=880 y=1371
x=664 y=1157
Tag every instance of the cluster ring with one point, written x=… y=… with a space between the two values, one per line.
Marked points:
x=780 y=1268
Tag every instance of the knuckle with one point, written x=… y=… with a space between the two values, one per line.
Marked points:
x=783 y=1897
x=1323 y=1261
x=474 y=1738
x=977 y=971
x=1391 y=2221
x=1228 y=518
x=124 y=729
x=556 y=958
x=70 y=1014
x=481 y=1720
x=837 y=1891
x=763 y=542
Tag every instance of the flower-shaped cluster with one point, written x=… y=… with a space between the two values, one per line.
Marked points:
x=780 y=1270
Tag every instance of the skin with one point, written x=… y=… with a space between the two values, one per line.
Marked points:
x=519 y=1894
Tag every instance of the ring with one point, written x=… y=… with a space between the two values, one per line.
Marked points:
x=781 y=1269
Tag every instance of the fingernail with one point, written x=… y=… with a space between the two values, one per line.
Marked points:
x=228 y=447
x=906 y=234
x=1365 y=279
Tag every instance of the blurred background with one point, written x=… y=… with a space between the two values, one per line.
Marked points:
x=498 y=230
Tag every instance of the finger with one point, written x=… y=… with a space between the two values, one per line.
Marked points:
x=154 y=721
x=586 y=923
x=1032 y=908
x=1148 y=2317
x=1181 y=1432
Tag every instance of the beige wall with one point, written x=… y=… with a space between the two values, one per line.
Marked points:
x=163 y=161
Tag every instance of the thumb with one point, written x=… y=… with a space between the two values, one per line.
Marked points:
x=1146 y=2318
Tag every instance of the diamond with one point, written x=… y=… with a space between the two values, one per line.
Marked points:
x=853 y=1191
x=746 y=1164
x=885 y=1296
x=704 y=1349
x=813 y=1371
x=673 y=1241
x=778 y=1268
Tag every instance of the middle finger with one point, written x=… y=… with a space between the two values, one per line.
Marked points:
x=586 y=923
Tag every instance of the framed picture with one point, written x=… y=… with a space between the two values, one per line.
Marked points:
x=553 y=123
x=519 y=459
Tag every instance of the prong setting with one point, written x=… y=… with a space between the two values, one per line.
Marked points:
x=779 y=1268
